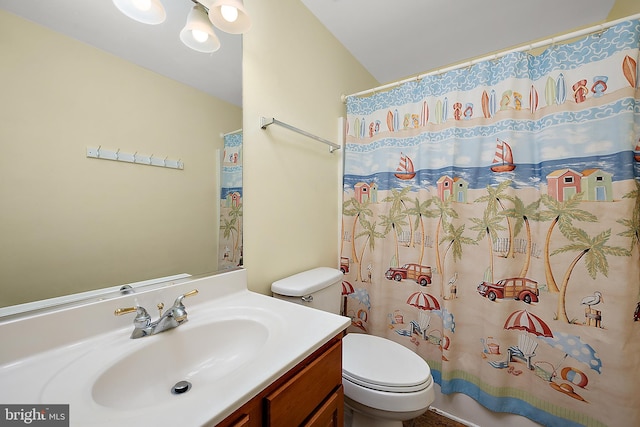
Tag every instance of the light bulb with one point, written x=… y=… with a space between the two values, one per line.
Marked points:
x=199 y=36
x=143 y=5
x=229 y=13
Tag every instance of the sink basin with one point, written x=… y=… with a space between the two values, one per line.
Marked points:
x=198 y=355
x=133 y=374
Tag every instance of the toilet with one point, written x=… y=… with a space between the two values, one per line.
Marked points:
x=384 y=382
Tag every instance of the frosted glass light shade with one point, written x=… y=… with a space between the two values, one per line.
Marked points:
x=198 y=32
x=145 y=11
x=242 y=24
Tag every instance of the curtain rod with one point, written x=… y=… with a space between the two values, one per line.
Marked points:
x=222 y=135
x=529 y=46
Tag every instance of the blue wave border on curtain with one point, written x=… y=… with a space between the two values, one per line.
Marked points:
x=509 y=404
x=560 y=214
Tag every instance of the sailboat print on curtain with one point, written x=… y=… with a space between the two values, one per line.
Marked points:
x=405 y=169
x=503 y=158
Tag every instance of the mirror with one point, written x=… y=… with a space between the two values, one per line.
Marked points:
x=73 y=222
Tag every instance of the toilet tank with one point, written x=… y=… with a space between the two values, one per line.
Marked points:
x=319 y=288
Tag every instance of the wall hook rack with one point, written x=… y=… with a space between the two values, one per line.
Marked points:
x=264 y=122
x=138 y=159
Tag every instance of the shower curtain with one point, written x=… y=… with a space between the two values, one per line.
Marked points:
x=230 y=240
x=491 y=221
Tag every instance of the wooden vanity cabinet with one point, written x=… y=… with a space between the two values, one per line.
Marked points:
x=310 y=395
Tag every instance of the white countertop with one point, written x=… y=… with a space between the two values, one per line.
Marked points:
x=56 y=357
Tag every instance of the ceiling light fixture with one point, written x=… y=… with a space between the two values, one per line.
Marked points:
x=198 y=33
x=229 y=16
x=145 y=11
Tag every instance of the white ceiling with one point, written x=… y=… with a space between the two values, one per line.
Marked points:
x=392 y=39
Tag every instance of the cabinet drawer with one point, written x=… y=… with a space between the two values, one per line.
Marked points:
x=292 y=403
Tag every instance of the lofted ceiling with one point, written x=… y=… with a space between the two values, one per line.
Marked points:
x=397 y=39
x=392 y=39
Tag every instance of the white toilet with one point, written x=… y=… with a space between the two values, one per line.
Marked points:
x=384 y=382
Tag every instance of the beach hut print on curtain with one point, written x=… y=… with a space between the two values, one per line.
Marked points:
x=502 y=243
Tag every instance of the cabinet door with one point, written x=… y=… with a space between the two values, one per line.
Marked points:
x=331 y=413
x=299 y=397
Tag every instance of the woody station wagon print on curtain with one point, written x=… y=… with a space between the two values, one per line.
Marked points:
x=491 y=221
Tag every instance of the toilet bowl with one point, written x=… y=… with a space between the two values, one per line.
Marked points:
x=384 y=382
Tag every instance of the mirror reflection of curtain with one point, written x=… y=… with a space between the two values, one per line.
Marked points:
x=491 y=220
x=230 y=241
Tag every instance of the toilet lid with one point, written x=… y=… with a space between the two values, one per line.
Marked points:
x=382 y=364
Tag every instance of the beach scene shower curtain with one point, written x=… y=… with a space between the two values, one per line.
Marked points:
x=230 y=239
x=491 y=224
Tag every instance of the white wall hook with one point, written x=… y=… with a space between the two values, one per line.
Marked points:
x=119 y=156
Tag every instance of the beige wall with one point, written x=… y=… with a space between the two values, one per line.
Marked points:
x=293 y=70
x=69 y=223
x=623 y=8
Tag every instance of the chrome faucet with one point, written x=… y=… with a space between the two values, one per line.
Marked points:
x=172 y=318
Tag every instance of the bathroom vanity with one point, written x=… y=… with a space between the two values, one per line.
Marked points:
x=241 y=359
x=309 y=394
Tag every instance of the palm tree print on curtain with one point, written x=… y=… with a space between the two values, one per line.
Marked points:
x=491 y=223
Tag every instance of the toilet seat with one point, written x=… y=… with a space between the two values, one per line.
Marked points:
x=383 y=365
x=390 y=389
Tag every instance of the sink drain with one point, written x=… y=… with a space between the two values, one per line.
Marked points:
x=181 y=387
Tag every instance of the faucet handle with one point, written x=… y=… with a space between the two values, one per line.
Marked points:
x=141 y=323
x=178 y=300
x=178 y=311
x=142 y=317
x=127 y=310
x=190 y=293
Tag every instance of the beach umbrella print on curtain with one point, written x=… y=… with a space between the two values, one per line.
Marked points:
x=525 y=321
x=347 y=289
x=573 y=346
x=522 y=320
x=423 y=301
